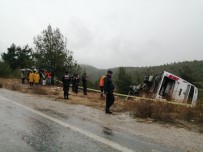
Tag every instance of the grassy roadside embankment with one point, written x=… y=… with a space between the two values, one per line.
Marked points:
x=146 y=110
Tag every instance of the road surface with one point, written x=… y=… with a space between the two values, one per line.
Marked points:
x=35 y=123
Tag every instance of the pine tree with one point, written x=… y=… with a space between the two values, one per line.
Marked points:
x=52 y=53
x=123 y=81
x=17 y=57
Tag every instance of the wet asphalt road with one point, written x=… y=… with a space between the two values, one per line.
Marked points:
x=31 y=123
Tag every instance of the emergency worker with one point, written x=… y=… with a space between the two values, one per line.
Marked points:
x=84 y=83
x=66 y=84
x=101 y=85
x=36 y=78
x=31 y=78
x=108 y=89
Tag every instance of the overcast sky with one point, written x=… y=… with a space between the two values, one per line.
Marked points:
x=110 y=33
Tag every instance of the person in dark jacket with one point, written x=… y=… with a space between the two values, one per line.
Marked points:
x=84 y=83
x=108 y=90
x=73 y=82
x=66 y=84
x=23 y=77
x=77 y=82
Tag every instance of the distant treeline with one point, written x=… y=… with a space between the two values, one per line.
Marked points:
x=191 y=71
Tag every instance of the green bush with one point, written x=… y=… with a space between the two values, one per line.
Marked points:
x=5 y=70
x=16 y=73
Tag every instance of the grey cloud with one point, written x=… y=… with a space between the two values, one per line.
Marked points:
x=110 y=33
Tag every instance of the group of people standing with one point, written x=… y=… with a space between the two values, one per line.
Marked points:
x=35 y=77
x=106 y=86
x=32 y=77
x=75 y=80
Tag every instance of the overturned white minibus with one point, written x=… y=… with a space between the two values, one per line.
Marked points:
x=171 y=87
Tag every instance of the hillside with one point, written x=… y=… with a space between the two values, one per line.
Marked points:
x=93 y=73
x=191 y=71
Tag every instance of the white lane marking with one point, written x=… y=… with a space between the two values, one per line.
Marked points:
x=76 y=129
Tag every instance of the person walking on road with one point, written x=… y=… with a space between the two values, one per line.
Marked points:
x=84 y=83
x=66 y=84
x=108 y=89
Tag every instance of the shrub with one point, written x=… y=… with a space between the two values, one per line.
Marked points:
x=144 y=109
x=167 y=117
x=199 y=109
x=163 y=112
x=16 y=73
x=5 y=70
x=156 y=110
x=189 y=114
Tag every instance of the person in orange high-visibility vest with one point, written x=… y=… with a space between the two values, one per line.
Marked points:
x=101 y=85
x=31 y=78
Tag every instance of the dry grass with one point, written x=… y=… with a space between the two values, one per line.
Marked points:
x=39 y=90
x=155 y=110
x=168 y=112
x=200 y=130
